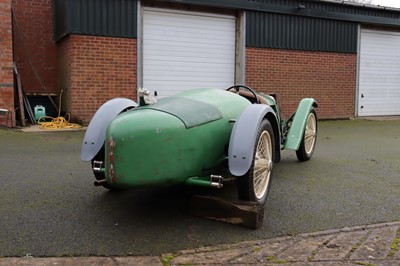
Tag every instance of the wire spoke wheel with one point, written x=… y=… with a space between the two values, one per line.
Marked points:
x=310 y=133
x=307 y=145
x=255 y=184
x=262 y=165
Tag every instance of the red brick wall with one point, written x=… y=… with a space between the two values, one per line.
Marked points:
x=34 y=45
x=292 y=75
x=93 y=70
x=6 y=59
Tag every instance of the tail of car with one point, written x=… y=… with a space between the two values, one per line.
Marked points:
x=197 y=137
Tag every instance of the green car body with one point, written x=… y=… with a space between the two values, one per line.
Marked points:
x=186 y=138
x=155 y=144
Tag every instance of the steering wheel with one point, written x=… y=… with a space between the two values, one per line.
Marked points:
x=237 y=87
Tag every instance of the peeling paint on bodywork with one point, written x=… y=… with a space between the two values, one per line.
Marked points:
x=111 y=148
x=169 y=139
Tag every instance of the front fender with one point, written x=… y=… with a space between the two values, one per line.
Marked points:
x=296 y=131
x=244 y=137
x=96 y=133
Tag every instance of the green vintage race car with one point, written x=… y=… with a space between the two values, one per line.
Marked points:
x=198 y=137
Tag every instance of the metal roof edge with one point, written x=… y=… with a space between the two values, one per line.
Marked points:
x=297 y=11
x=347 y=3
x=349 y=17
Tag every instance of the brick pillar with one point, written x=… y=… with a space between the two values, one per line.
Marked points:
x=34 y=48
x=6 y=61
x=92 y=70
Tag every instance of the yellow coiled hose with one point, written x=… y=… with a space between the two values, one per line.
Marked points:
x=56 y=123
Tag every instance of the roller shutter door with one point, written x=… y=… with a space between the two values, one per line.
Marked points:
x=185 y=50
x=379 y=73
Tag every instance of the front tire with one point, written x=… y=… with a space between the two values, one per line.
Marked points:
x=255 y=184
x=307 y=145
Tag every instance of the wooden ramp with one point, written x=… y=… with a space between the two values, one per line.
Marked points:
x=243 y=213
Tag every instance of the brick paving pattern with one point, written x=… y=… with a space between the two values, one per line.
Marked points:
x=361 y=245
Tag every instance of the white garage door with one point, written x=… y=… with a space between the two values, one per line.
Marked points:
x=379 y=76
x=186 y=50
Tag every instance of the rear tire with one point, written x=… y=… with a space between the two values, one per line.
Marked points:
x=307 y=145
x=254 y=185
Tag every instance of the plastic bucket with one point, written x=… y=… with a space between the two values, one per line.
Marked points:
x=39 y=112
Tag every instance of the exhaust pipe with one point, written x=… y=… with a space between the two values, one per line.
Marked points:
x=98 y=167
x=99 y=183
x=215 y=181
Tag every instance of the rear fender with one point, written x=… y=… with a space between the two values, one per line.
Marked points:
x=244 y=137
x=96 y=133
x=296 y=130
